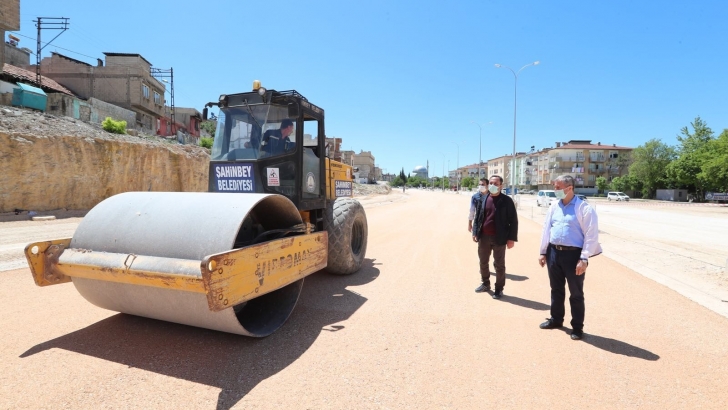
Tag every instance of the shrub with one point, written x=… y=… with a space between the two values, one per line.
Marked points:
x=116 y=127
x=206 y=142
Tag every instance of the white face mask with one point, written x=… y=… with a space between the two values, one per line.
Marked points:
x=560 y=194
x=482 y=188
x=493 y=189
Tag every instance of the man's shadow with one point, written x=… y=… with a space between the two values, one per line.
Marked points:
x=516 y=278
x=617 y=347
x=234 y=364
x=530 y=304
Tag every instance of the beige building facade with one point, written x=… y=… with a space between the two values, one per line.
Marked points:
x=500 y=166
x=586 y=162
x=124 y=80
x=364 y=161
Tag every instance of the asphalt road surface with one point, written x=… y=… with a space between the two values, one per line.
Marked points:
x=407 y=331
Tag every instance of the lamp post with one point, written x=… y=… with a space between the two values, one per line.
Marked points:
x=515 y=95
x=443 y=172
x=448 y=177
x=457 y=169
x=480 y=150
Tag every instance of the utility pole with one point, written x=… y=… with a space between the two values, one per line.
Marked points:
x=164 y=74
x=56 y=23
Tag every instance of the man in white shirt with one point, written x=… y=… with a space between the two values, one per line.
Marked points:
x=570 y=237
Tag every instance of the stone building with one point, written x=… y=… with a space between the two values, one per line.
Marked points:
x=124 y=80
x=364 y=161
x=14 y=55
x=9 y=21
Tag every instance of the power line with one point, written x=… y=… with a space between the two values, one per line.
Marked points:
x=65 y=49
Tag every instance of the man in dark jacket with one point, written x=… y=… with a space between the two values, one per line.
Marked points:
x=494 y=225
x=276 y=142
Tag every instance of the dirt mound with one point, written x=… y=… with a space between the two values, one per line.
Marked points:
x=371 y=189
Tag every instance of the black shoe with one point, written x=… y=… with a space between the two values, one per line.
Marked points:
x=550 y=323
x=498 y=295
x=482 y=288
x=577 y=334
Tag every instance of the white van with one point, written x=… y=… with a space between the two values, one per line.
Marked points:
x=617 y=196
x=545 y=197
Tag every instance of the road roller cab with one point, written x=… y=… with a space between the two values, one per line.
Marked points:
x=232 y=259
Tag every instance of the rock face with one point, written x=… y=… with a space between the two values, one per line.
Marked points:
x=49 y=163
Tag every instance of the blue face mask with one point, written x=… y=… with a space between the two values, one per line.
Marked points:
x=493 y=189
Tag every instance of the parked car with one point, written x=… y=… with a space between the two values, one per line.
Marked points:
x=545 y=197
x=582 y=197
x=617 y=196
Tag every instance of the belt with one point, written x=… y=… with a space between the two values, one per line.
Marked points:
x=565 y=248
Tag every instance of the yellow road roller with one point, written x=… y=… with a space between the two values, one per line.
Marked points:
x=234 y=258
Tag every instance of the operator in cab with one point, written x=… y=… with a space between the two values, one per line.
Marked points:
x=277 y=142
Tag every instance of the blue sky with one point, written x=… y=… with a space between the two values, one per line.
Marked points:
x=405 y=79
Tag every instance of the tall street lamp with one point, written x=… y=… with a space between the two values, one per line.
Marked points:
x=480 y=150
x=443 y=172
x=457 y=168
x=515 y=94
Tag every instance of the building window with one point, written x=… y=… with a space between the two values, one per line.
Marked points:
x=157 y=98
x=145 y=91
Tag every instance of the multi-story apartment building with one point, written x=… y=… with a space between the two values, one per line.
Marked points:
x=364 y=161
x=586 y=161
x=125 y=80
x=541 y=179
x=527 y=170
x=501 y=166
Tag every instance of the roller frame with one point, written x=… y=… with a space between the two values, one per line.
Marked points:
x=227 y=278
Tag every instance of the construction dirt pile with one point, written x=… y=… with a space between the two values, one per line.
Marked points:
x=49 y=163
x=371 y=189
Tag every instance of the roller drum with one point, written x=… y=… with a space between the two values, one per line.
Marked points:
x=186 y=225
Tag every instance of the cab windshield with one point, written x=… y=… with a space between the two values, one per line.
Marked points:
x=252 y=132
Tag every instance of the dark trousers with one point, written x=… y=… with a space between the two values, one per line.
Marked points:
x=562 y=270
x=486 y=246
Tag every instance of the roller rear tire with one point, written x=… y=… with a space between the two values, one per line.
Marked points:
x=346 y=224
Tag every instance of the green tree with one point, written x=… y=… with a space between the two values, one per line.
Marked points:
x=416 y=181
x=692 y=154
x=714 y=172
x=601 y=183
x=209 y=127
x=402 y=175
x=468 y=182
x=650 y=162
x=397 y=182
x=619 y=184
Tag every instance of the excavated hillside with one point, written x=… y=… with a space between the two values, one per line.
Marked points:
x=49 y=163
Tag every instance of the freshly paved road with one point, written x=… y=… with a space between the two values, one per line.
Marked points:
x=407 y=331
